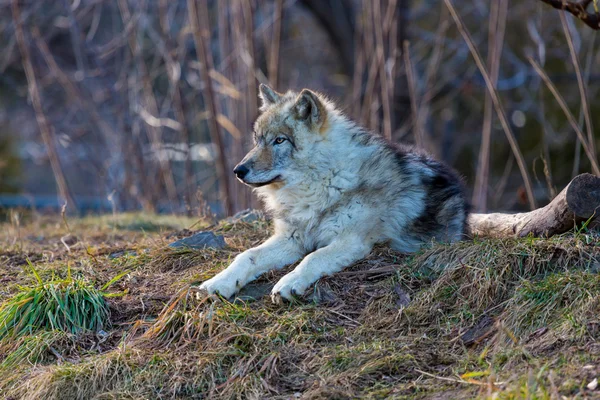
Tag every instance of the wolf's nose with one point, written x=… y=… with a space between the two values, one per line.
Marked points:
x=240 y=171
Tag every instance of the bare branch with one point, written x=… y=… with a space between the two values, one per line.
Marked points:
x=497 y=25
x=45 y=128
x=497 y=104
x=580 y=85
x=274 y=55
x=579 y=10
x=200 y=36
x=563 y=104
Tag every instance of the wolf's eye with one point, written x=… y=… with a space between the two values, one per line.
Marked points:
x=279 y=140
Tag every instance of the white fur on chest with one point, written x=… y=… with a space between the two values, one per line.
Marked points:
x=319 y=213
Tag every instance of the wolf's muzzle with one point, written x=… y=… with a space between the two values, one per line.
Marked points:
x=241 y=171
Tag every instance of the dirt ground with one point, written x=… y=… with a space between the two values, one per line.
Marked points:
x=504 y=319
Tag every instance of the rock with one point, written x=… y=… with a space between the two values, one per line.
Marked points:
x=403 y=299
x=69 y=240
x=253 y=292
x=484 y=327
x=322 y=294
x=593 y=384
x=201 y=240
x=248 y=215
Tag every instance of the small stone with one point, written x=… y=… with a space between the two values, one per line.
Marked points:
x=484 y=327
x=253 y=292
x=69 y=239
x=403 y=299
x=248 y=215
x=102 y=336
x=593 y=384
x=201 y=240
x=322 y=295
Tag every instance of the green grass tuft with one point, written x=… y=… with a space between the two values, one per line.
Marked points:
x=70 y=305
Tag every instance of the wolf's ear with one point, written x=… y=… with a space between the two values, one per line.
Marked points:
x=309 y=108
x=268 y=96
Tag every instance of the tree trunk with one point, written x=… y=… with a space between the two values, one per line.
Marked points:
x=201 y=34
x=577 y=202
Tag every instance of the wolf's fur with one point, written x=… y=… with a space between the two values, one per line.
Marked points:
x=335 y=190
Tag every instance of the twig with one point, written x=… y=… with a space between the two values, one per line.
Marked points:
x=495 y=41
x=470 y=382
x=580 y=84
x=173 y=74
x=359 y=69
x=412 y=90
x=200 y=35
x=151 y=103
x=252 y=89
x=497 y=104
x=383 y=77
x=568 y=114
x=75 y=94
x=276 y=39
x=578 y=9
x=44 y=125
x=59 y=358
x=532 y=27
x=383 y=270
x=344 y=316
x=433 y=66
x=372 y=69
x=588 y=68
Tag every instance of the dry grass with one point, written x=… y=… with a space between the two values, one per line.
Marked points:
x=503 y=318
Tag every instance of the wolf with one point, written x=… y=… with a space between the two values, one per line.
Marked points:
x=335 y=190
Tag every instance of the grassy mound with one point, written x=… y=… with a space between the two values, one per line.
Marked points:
x=479 y=319
x=461 y=283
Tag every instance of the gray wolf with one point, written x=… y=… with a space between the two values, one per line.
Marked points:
x=335 y=190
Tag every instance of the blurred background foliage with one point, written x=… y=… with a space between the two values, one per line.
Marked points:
x=149 y=104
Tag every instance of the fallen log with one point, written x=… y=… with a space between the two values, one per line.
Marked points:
x=577 y=202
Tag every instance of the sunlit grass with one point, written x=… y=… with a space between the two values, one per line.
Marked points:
x=35 y=348
x=167 y=339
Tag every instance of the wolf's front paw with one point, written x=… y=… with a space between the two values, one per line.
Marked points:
x=293 y=284
x=225 y=286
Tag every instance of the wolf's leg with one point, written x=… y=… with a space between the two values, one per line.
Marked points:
x=277 y=252
x=324 y=261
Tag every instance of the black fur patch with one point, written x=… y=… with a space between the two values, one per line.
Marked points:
x=444 y=185
x=441 y=185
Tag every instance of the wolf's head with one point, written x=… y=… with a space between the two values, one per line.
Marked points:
x=284 y=135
